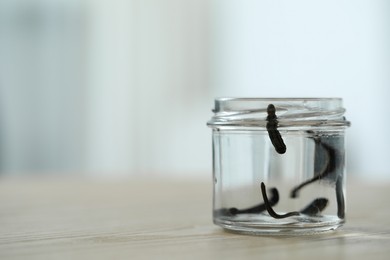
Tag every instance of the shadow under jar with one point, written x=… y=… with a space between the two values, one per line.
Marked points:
x=278 y=164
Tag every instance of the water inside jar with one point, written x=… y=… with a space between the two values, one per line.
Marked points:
x=312 y=168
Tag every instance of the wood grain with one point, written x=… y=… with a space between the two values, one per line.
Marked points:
x=139 y=219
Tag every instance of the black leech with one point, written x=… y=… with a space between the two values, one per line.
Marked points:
x=259 y=208
x=268 y=206
x=340 y=198
x=315 y=207
x=334 y=161
x=274 y=135
x=330 y=166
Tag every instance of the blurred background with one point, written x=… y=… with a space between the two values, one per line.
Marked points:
x=124 y=87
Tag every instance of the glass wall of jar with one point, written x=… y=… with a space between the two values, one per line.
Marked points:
x=278 y=164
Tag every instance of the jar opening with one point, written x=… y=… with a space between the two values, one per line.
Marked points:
x=290 y=112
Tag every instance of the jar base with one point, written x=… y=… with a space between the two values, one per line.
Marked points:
x=286 y=228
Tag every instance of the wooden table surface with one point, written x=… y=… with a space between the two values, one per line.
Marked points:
x=140 y=219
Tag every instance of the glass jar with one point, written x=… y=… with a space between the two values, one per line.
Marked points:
x=278 y=164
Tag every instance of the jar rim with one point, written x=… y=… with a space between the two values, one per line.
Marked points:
x=232 y=103
x=291 y=111
x=277 y=98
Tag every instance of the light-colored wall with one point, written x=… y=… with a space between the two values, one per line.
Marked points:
x=119 y=88
x=148 y=101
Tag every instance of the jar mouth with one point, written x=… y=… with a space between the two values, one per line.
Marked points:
x=290 y=112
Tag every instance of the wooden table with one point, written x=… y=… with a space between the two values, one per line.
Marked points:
x=140 y=219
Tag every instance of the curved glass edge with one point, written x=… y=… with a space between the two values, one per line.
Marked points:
x=291 y=112
x=226 y=104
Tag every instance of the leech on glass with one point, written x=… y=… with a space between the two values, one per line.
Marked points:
x=315 y=207
x=312 y=209
x=274 y=135
x=259 y=208
x=340 y=198
x=268 y=206
x=328 y=167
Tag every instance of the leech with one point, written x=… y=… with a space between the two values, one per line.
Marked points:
x=315 y=207
x=268 y=206
x=274 y=135
x=330 y=166
x=340 y=198
x=259 y=208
